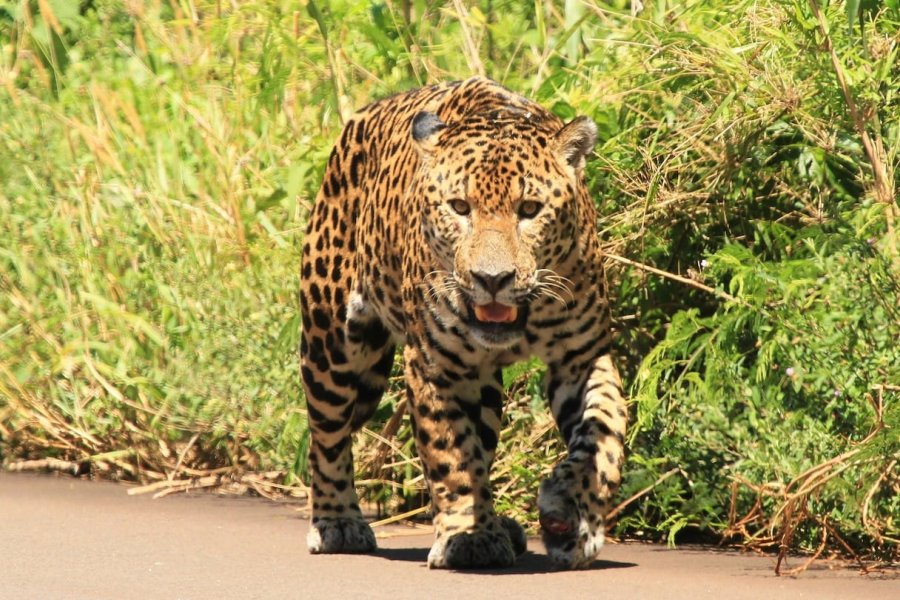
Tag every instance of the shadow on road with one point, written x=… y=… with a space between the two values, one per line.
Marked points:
x=528 y=563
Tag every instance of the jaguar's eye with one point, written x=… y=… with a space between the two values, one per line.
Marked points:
x=460 y=207
x=529 y=209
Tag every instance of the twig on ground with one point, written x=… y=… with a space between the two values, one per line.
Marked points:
x=401 y=516
x=785 y=545
x=182 y=454
x=50 y=464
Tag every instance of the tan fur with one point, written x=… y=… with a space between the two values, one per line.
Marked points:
x=422 y=214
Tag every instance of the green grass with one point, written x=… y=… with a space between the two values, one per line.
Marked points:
x=157 y=160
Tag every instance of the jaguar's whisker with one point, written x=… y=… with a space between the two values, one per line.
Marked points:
x=560 y=287
x=552 y=294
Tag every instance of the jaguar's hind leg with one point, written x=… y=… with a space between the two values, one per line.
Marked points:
x=346 y=358
x=340 y=399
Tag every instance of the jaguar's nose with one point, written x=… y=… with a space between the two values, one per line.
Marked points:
x=493 y=283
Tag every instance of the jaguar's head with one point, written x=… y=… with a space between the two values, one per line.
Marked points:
x=500 y=193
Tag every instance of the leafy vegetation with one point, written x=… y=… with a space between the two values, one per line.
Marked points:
x=158 y=158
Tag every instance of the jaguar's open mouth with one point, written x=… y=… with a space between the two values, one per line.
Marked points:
x=495 y=313
x=499 y=322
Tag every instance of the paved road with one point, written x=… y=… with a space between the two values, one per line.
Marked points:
x=62 y=538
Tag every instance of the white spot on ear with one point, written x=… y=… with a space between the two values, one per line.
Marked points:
x=576 y=140
x=425 y=125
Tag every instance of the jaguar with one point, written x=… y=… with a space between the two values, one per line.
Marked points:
x=454 y=221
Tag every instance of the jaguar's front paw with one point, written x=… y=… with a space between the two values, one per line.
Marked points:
x=340 y=536
x=472 y=550
x=516 y=535
x=572 y=527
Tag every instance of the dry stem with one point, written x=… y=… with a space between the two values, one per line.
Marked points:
x=672 y=276
x=883 y=188
x=615 y=511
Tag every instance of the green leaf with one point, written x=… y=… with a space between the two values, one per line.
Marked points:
x=316 y=14
x=66 y=12
x=852 y=13
x=264 y=204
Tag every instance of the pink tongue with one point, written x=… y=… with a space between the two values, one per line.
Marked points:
x=496 y=313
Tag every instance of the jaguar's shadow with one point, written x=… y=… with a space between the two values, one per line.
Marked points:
x=529 y=563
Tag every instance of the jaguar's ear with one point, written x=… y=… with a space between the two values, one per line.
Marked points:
x=576 y=140
x=425 y=129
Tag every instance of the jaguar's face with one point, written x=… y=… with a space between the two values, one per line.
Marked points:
x=500 y=213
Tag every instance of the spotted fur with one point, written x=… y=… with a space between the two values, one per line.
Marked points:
x=453 y=220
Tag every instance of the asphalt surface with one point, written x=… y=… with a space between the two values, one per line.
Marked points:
x=63 y=538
